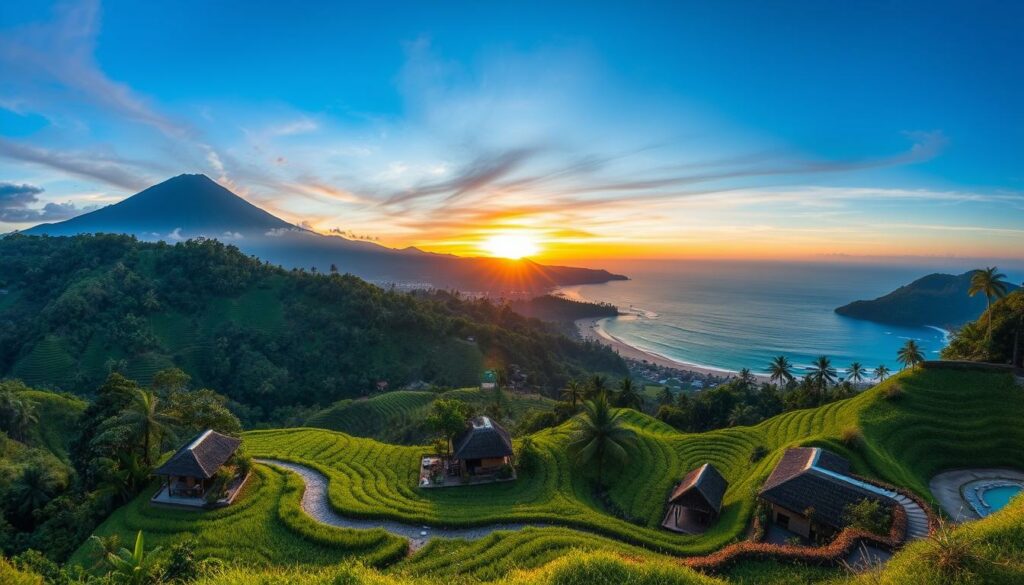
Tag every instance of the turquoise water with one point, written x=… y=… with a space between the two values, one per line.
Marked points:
x=733 y=315
x=998 y=497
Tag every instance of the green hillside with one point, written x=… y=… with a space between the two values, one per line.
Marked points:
x=77 y=308
x=399 y=416
x=909 y=427
x=58 y=419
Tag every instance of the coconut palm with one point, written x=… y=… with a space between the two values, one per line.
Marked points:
x=573 y=392
x=596 y=385
x=747 y=378
x=822 y=373
x=780 y=370
x=600 y=436
x=628 y=397
x=856 y=373
x=990 y=283
x=33 y=489
x=665 y=397
x=910 y=354
x=881 y=372
x=149 y=423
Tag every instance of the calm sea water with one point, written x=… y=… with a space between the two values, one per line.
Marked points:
x=731 y=315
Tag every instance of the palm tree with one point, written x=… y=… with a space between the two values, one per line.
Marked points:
x=149 y=423
x=628 y=397
x=910 y=354
x=990 y=283
x=596 y=385
x=747 y=378
x=573 y=392
x=881 y=372
x=665 y=397
x=135 y=567
x=780 y=370
x=856 y=373
x=822 y=373
x=33 y=489
x=600 y=437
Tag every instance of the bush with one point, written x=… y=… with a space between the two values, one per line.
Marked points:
x=869 y=515
x=851 y=436
x=893 y=392
x=759 y=453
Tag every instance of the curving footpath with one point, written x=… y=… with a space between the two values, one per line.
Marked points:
x=316 y=503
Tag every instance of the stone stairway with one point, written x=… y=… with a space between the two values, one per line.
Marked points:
x=917 y=519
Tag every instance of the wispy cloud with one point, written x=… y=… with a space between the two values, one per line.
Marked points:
x=112 y=171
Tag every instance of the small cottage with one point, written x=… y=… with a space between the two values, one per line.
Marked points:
x=191 y=471
x=484 y=448
x=696 y=502
x=810 y=490
x=489 y=380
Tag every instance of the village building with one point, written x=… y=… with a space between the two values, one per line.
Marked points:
x=190 y=474
x=810 y=490
x=484 y=448
x=489 y=380
x=696 y=502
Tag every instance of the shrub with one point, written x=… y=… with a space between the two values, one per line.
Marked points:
x=759 y=453
x=869 y=515
x=851 y=436
x=893 y=392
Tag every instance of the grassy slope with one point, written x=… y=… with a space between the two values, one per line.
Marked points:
x=264 y=526
x=383 y=417
x=58 y=420
x=943 y=419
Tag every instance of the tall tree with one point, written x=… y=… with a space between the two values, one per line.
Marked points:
x=856 y=373
x=665 y=397
x=573 y=392
x=910 y=354
x=822 y=373
x=881 y=372
x=991 y=283
x=780 y=370
x=627 y=396
x=600 y=436
x=597 y=384
x=149 y=422
x=448 y=417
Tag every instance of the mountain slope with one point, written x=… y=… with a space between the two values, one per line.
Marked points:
x=266 y=337
x=189 y=206
x=936 y=299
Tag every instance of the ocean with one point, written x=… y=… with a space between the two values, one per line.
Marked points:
x=732 y=315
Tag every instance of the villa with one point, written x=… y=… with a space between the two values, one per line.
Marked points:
x=190 y=474
x=696 y=502
x=809 y=491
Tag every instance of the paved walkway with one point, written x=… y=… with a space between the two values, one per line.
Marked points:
x=946 y=489
x=316 y=503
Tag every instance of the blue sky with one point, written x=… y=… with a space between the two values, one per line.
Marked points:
x=747 y=129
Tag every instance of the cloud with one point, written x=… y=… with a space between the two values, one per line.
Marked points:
x=110 y=170
x=16 y=203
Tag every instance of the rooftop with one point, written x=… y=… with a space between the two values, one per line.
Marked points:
x=483 y=439
x=202 y=456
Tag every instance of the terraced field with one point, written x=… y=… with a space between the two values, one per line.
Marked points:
x=399 y=416
x=264 y=526
x=48 y=362
x=937 y=419
x=58 y=419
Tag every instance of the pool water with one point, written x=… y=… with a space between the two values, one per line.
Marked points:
x=998 y=497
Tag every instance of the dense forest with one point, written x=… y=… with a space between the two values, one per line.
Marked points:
x=73 y=310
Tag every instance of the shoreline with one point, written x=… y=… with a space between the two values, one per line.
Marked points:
x=593 y=330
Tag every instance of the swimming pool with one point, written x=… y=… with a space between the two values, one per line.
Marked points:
x=988 y=496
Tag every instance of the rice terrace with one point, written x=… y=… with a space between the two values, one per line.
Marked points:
x=528 y=293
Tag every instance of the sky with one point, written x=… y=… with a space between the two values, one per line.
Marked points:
x=570 y=130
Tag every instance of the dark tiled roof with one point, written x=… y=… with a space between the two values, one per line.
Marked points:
x=483 y=438
x=202 y=456
x=805 y=478
x=706 y=481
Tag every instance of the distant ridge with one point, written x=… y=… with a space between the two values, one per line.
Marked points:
x=937 y=299
x=190 y=206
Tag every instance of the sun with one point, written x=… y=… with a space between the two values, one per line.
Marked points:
x=513 y=246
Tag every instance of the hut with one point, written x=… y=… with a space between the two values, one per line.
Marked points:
x=484 y=448
x=191 y=471
x=810 y=489
x=697 y=501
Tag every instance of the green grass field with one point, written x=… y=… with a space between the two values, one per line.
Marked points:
x=939 y=419
x=265 y=525
x=399 y=416
x=48 y=362
x=58 y=420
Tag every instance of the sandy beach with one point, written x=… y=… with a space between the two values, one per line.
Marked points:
x=592 y=329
